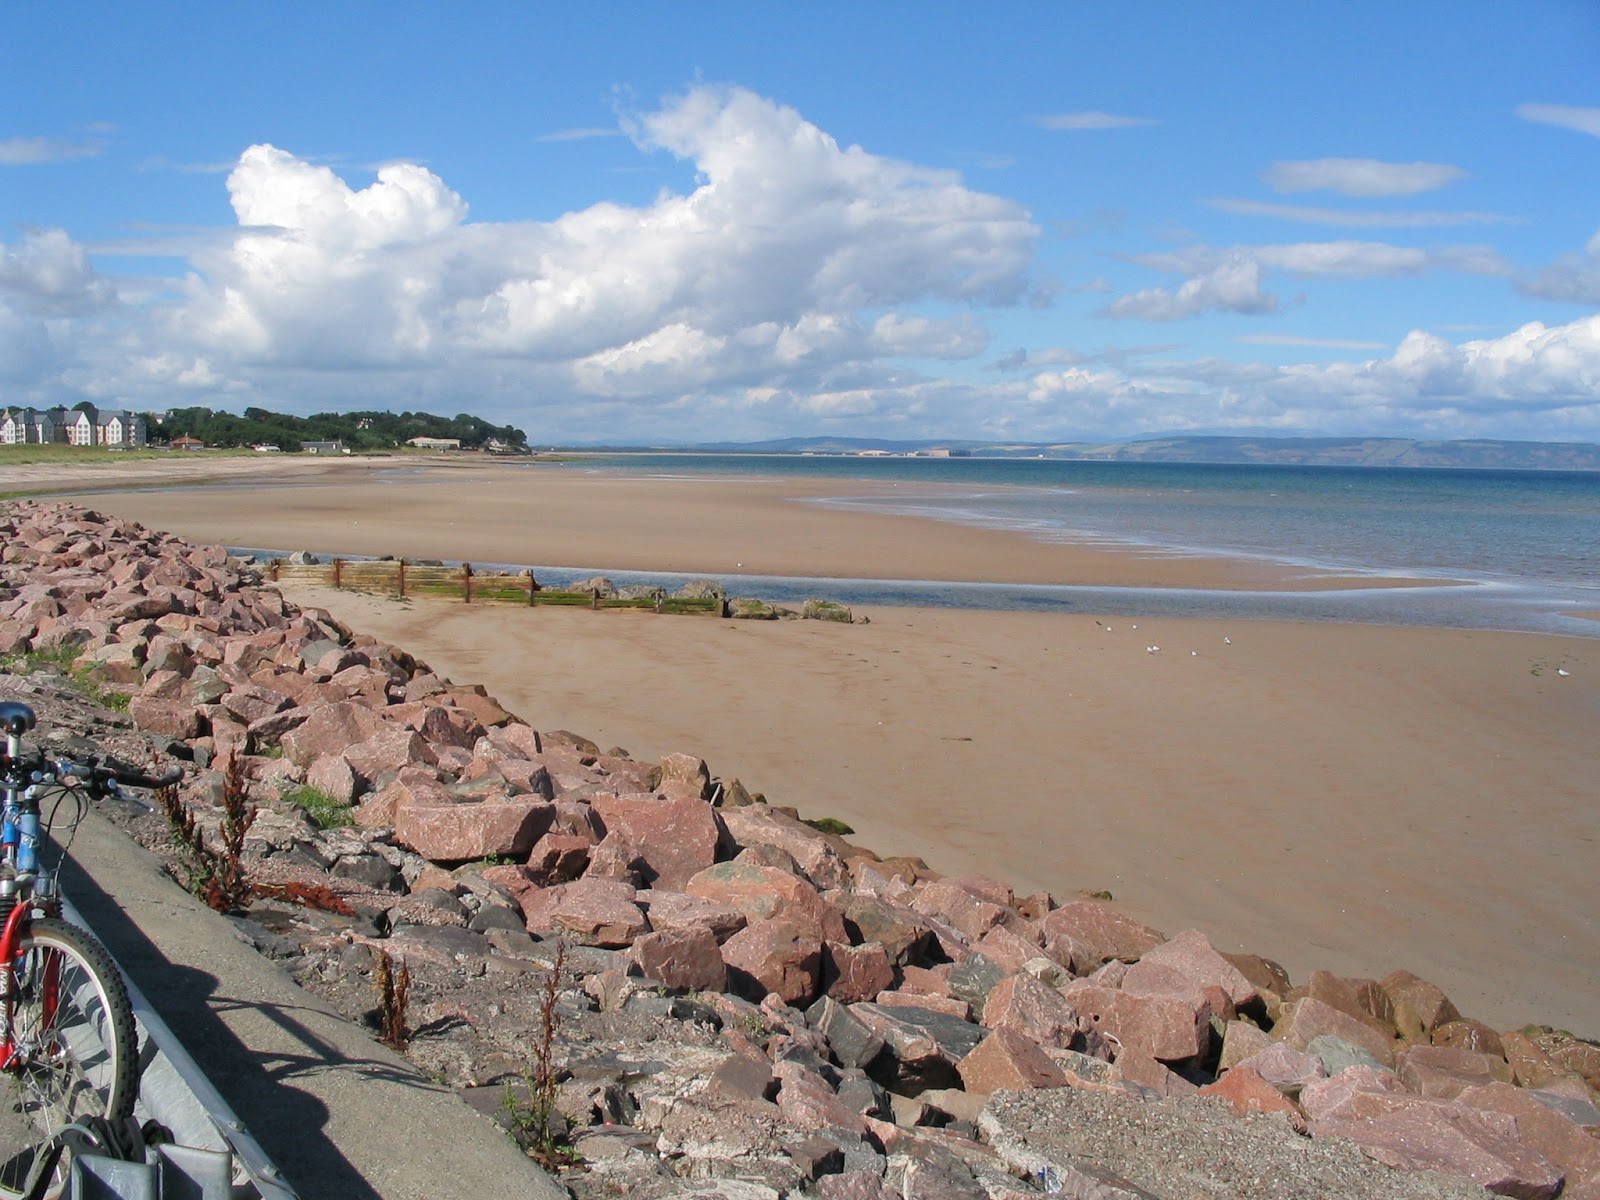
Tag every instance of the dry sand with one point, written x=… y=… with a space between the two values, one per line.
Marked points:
x=1350 y=797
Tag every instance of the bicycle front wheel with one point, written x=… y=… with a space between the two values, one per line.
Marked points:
x=69 y=1025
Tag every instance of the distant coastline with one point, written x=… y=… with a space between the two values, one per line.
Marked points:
x=1481 y=454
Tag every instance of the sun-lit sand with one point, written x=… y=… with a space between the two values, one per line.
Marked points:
x=1351 y=797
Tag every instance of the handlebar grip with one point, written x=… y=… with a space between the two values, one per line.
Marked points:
x=133 y=777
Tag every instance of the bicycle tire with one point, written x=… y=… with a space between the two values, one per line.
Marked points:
x=78 y=1061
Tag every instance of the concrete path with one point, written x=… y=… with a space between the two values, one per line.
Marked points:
x=340 y=1114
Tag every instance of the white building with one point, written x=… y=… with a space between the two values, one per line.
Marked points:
x=43 y=427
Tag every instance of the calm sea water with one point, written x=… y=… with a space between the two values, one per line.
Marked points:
x=1511 y=549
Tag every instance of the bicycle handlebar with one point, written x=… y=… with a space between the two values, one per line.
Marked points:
x=128 y=776
x=106 y=776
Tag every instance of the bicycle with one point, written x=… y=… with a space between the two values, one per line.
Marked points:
x=67 y=1037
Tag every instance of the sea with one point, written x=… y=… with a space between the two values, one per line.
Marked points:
x=1513 y=550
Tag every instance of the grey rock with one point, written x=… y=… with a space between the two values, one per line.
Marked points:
x=850 y=1041
x=370 y=871
x=1337 y=1054
x=974 y=978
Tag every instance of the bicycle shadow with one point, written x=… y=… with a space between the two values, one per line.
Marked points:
x=289 y=1122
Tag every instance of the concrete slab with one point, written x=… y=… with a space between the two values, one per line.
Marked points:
x=339 y=1113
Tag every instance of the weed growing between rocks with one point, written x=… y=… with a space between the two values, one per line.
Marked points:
x=215 y=876
x=535 y=1124
x=394 y=996
x=322 y=808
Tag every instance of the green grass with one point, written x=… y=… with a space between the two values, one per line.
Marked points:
x=322 y=808
x=59 y=662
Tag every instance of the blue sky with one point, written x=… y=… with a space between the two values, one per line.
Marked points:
x=672 y=223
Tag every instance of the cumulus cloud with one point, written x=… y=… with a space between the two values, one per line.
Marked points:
x=1356 y=218
x=48 y=274
x=794 y=263
x=1544 y=376
x=1360 y=176
x=1568 y=116
x=1091 y=119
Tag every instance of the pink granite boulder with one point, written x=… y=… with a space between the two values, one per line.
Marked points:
x=851 y=974
x=330 y=729
x=763 y=893
x=1307 y=1018
x=1185 y=966
x=591 y=912
x=684 y=960
x=1166 y=1028
x=1008 y=1060
x=1107 y=933
x=675 y=838
x=1032 y=1008
x=459 y=832
x=781 y=956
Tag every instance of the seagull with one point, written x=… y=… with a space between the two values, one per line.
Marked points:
x=1194 y=654
x=1227 y=641
x=1151 y=649
x=1562 y=671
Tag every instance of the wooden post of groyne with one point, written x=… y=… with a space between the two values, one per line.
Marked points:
x=533 y=586
x=466 y=583
x=402 y=578
x=337 y=564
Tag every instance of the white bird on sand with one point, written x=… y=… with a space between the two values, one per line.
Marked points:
x=1194 y=654
x=1151 y=649
x=1562 y=671
x=1227 y=641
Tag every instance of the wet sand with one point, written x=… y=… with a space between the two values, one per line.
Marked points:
x=1350 y=797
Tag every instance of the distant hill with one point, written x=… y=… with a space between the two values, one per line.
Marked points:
x=1305 y=451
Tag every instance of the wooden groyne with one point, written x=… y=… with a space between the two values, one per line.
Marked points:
x=402 y=579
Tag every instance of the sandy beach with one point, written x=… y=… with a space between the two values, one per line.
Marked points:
x=1357 y=798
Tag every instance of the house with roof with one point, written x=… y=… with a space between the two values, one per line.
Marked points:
x=13 y=426
x=118 y=427
x=80 y=428
x=32 y=426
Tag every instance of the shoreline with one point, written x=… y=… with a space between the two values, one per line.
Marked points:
x=712 y=526
x=1341 y=796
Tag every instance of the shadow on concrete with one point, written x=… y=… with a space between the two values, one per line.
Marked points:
x=288 y=1123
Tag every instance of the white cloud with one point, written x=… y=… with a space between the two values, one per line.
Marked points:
x=1091 y=119
x=1360 y=176
x=1233 y=285
x=1231 y=279
x=49 y=275
x=1355 y=218
x=794 y=263
x=1341 y=258
x=26 y=151
x=1574 y=279
x=1568 y=116
x=1542 y=378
